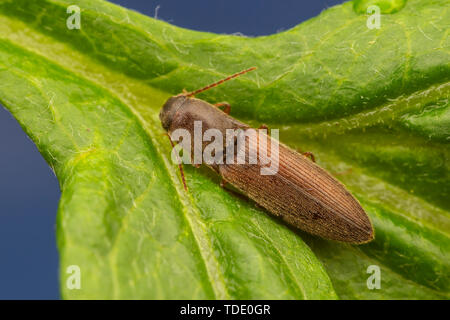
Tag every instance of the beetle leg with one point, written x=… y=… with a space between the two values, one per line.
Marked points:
x=226 y=105
x=180 y=166
x=309 y=155
x=264 y=127
x=223 y=183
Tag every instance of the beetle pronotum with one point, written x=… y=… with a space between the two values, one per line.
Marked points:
x=300 y=192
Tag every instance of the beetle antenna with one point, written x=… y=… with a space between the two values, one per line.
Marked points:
x=215 y=84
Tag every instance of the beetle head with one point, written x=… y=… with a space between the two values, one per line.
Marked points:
x=169 y=110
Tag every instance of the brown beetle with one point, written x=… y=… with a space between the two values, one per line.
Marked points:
x=300 y=192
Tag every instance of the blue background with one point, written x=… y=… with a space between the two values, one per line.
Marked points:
x=29 y=191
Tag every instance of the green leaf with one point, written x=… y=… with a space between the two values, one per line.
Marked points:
x=371 y=104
